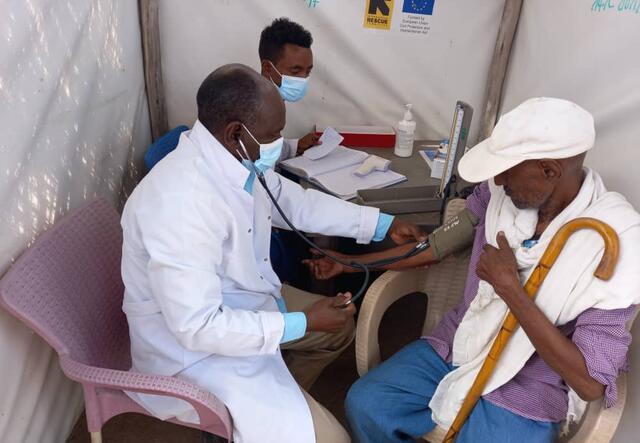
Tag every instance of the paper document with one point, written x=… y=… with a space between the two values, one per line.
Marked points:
x=346 y=185
x=334 y=172
x=341 y=157
x=330 y=139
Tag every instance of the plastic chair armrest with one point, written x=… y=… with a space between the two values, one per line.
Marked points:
x=208 y=407
x=600 y=423
x=389 y=287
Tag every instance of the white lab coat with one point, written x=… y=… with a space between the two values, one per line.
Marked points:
x=201 y=294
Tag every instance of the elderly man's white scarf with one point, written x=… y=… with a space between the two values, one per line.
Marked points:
x=568 y=290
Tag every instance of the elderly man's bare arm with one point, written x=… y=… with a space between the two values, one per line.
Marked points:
x=498 y=267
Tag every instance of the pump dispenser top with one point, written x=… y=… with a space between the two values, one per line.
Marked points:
x=408 y=117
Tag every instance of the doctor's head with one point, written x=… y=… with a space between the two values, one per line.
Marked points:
x=286 y=58
x=535 y=152
x=236 y=104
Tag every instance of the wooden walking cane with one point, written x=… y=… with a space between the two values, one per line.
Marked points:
x=604 y=272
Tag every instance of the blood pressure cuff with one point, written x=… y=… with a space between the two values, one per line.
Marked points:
x=455 y=235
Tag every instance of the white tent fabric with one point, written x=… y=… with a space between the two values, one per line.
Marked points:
x=361 y=76
x=74 y=122
x=587 y=51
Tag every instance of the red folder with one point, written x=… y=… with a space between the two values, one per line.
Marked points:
x=364 y=136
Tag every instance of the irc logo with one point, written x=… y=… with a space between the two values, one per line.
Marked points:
x=377 y=14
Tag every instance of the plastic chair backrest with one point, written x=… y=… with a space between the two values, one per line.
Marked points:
x=67 y=287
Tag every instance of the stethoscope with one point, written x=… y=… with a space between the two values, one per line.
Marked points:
x=354 y=264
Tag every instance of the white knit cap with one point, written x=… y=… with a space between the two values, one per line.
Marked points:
x=538 y=128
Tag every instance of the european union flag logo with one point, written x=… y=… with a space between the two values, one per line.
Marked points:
x=424 y=7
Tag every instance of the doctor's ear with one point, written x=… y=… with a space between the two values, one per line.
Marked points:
x=232 y=133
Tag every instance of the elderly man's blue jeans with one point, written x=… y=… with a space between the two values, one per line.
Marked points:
x=390 y=404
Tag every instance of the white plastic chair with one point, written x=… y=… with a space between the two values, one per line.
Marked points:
x=443 y=284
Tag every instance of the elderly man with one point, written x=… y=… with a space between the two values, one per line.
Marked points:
x=201 y=298
x=572 y=341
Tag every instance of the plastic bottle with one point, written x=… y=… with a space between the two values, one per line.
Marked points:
x=404 y=134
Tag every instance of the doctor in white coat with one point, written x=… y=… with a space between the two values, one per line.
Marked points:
x=201 y=298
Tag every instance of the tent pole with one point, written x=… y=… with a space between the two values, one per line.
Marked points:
x=150 y=28
x=499 y=64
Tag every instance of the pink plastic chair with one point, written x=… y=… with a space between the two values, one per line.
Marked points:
x=67 y=288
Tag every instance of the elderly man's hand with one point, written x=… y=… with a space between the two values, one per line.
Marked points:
x=308 y=141
x=402 y=232
x=322 y=267
x=499 y=268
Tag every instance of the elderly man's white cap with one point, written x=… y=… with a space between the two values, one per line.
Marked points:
x=537 y=129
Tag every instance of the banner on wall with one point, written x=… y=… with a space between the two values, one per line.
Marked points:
x=378 y=14
x=414 y=17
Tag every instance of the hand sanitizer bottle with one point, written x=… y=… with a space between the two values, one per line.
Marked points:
x=404 y=134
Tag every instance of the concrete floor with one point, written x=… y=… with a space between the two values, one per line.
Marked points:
x=401 y=325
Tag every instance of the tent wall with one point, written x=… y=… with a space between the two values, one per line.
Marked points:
x=360 y=76
x=74 y=123
x=586 y=51
x=590 y=56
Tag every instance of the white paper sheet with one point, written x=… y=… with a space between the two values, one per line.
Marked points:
x=345 y=185
x=340 y=157
x=330 y=140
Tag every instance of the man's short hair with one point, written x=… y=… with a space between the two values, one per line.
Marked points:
x=280 y=32
x=230 y=93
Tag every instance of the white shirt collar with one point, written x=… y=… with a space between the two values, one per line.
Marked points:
x=217 y=156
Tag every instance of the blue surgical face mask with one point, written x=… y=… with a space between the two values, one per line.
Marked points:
x=291 y=88
x=269 y=154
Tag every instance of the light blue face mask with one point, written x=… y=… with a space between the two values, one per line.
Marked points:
x=269 y=154
x=291 y=88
